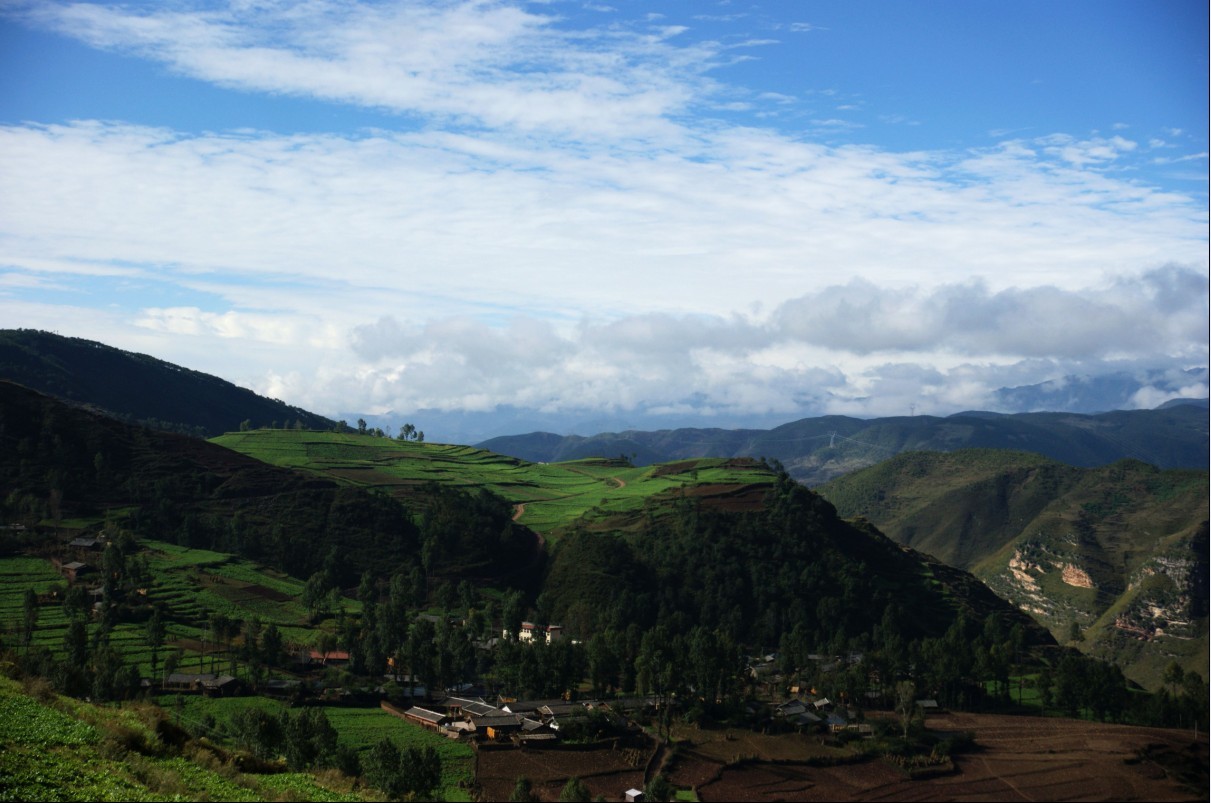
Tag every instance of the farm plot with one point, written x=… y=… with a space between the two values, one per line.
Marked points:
x=358 y=728
x=553 y=495
x=362 y=728
x=1018 y=758
x=195 y=583
x=606 y=770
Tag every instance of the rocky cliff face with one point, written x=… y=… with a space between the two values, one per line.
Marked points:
x=1034 y=578
x=1141 y=606
x=1164 y=599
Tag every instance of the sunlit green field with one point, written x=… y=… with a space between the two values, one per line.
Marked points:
x=550 y=495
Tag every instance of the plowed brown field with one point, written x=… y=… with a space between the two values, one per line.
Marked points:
x=1017 y=758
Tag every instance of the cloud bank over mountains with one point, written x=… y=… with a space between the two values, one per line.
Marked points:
x=938 y=349
x=581 y=212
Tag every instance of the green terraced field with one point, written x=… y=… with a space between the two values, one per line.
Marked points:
x=190 y=585
x=547 y=495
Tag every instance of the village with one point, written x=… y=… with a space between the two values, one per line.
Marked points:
x=469 y=711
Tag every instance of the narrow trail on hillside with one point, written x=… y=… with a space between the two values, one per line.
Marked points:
x=621 y=483
x=519 y=510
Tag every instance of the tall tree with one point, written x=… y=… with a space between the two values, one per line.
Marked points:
x=29 y=621
x=906 y=705
x=155 y=637
x=574 y=791
x=523 y=791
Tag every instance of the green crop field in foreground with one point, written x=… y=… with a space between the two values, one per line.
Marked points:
x=548 y=495
x=61 y=749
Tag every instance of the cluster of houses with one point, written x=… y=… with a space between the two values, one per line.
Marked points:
x=819 y=714
x=533 y=722
x=79 y=548
x=805 y=711
x=531 y=632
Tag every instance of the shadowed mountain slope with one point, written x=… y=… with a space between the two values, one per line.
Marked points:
x=60 y=463
x=138 y=388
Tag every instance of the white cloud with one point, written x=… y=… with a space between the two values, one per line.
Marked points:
x=1163 y=312
x=852 y=348
x=1090 y=152
x=461 y=224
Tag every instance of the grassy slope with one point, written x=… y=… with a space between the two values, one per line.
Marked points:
x=1025 y=524
x=56 y=748
x=955 y=506
x=554 y=494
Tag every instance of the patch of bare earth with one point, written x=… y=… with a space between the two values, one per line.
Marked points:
x=606 y=771
x=1018 y=758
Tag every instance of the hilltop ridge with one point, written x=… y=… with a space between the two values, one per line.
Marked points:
x=138 y=388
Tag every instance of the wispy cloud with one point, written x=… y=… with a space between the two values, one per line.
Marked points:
x=476 y=63
x=452 y=221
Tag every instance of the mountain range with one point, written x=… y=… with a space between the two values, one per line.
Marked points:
x=815 y=450
x=142 y=389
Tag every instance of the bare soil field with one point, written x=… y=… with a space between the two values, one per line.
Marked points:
x=1017 y=758
x=605 y=771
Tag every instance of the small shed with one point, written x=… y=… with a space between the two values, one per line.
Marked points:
x=498 y=726
x=187 y=681
x=74 y=570
x=426 y=718
x=222 y=686
x=634 y=796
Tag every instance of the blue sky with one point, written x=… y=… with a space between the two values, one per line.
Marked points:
x=651 y=211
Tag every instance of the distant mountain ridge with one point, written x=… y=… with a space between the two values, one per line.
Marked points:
x=815 y=450
x=138 y=388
